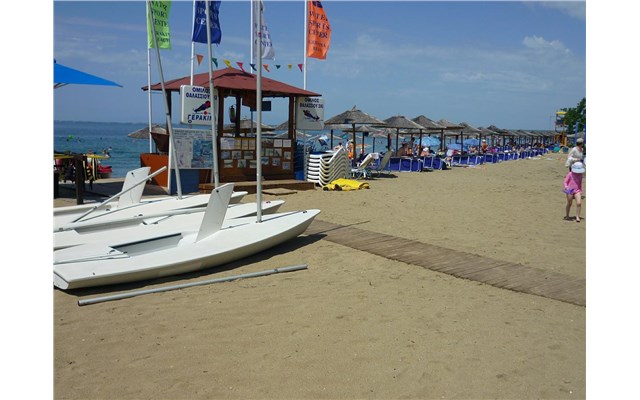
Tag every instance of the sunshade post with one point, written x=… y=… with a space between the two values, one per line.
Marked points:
x=79 y=166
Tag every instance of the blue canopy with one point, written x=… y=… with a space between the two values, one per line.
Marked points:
x=471 y=142
x=64 y=75
x=430 y=141
x=454 y=146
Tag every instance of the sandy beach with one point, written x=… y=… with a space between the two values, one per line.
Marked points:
x=354 y=325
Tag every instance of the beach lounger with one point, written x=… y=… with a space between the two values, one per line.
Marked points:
x=363 y=168
x=383 y=165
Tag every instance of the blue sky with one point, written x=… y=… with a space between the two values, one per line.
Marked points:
x=511 y=64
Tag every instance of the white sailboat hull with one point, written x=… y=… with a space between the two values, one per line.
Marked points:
x=102 y=264
x=117 y=232
x=66 y=215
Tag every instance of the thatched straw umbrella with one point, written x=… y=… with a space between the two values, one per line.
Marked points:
x=246 y=126
x=469 y=131
x=448 y=126
x=504 y=133
x=428 y=124
x=400 y=122
x=488 y=132
x=354 y=117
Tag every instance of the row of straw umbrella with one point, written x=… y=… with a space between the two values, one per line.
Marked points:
x=357 y=121
x=420 y=125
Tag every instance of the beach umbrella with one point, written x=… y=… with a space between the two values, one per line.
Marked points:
x=501 y=132
x=400 y=122
x=429 y=141
x=375 y=134
x=428 y=124
x=487 y=132
x=143 y=133
x=471 y=142
x=246 y=126
x=354 y=117
x=63 y=75
x=446 y=126
x=365 y=129
x=468 y=130
x=282 y=127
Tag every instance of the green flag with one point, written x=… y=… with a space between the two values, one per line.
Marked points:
x=160 y=10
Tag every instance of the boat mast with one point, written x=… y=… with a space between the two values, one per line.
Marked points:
x=259 y=119
x=172 y=154
x=214 y=141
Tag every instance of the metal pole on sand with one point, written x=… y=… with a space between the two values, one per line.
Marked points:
x=187 y=285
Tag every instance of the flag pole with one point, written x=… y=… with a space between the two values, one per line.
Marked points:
x=304 y=47
x=304 y=85
x=172 y=154
x=259 y=120
x=250 y=62
x=149 y=85
x=193 y=44
x=214 y=141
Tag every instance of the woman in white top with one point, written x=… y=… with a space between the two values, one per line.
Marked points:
x=576 y=153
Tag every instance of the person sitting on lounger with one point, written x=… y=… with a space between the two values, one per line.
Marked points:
x=485 y=147
x=402 y=151
x=425 y=152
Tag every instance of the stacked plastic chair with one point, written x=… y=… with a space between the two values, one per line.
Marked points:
x=323 y=168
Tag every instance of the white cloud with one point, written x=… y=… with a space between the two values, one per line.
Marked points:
x=575 y=9
x=540 y=44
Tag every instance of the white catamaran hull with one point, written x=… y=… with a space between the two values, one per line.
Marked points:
x=151 y=206
x=145 y=227
x=101 y=264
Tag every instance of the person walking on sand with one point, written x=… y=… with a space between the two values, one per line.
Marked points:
x=575 y=154
x=573 y=188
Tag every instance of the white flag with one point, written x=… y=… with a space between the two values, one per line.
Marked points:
x=267 y=47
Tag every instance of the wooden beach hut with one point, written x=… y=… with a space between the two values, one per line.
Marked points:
x=240 y=86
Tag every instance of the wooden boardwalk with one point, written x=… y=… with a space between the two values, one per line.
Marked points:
x=501 y=274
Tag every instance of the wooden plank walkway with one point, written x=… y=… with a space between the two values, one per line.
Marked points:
x=501 y=274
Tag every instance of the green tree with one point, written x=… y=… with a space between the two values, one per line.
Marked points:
x=577 y=114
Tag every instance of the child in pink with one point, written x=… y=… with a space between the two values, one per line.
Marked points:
x=573 y=188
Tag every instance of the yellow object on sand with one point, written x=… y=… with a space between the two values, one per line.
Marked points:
x=345 y=185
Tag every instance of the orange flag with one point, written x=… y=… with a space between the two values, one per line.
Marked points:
x=266 y=66
x=318 y=31
x=199 y=57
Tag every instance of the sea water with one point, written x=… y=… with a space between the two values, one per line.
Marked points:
x=111 y=138
x=96 y=137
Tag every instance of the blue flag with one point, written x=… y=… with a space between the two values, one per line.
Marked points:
x=200 y=22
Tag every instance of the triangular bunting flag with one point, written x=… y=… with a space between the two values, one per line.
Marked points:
x=289 y=66
x=300 y=66
x=266 y=67
x=253 y=66
x=240 y=65
x=215 y=61
x=199 y=57
x=228 y=63
x=278 y=66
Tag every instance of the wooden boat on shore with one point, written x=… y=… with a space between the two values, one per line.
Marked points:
x=217 y=241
